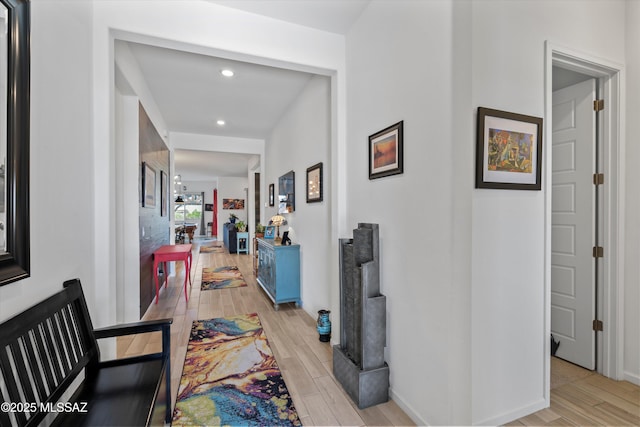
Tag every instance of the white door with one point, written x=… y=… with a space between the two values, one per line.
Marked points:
x=573 y=234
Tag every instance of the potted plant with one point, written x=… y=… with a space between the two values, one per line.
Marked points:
x=259 y=230
x=241 y=226
x=232 y=218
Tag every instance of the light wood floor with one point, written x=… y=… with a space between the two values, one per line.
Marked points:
x=578 y=396
x=305 y=362
x=582 y=397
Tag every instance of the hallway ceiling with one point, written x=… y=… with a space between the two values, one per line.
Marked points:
x=192 y=95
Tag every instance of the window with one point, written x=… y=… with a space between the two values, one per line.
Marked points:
x=191 y=210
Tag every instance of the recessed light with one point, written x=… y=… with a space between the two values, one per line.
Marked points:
x=220 y=122
x=227 y=73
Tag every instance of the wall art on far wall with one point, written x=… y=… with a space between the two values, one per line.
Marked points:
x=232 y=203
x=164 y=203
x=314 y=183
x=272 y=196
x=148 y=186
x=386 y=152
x=509 y=150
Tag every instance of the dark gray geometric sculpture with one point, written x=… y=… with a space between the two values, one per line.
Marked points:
x=358 y=362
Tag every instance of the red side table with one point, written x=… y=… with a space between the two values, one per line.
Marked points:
x=172 y=253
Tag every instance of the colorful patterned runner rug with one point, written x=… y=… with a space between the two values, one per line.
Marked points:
x=221 y=277
x=230 y=377
x=211 y=249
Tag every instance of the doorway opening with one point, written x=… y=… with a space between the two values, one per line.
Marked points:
x=605 y=305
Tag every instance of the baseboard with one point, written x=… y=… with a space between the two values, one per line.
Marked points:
x=514 y=415
x=632 y=378
x=499 y=420
x=408 y=409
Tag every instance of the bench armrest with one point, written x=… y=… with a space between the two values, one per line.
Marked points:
x=163 y=325
x=133 y=328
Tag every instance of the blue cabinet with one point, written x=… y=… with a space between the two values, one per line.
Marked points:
x=243 y=241
x=230 y=237
x=279 y=272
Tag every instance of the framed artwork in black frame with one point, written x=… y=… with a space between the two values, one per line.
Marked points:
x=314 y=183
x=287 y=193
x=386 y=152
x=272 y=196
x=148 y=186
x=508 y=151
x=164 y=189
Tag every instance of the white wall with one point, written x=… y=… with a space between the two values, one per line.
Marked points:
x=129 y=78
x=421 y=75
x=302 y=138
x=508 y=315
x=127 y=207
x=61 y=156
x=132 y=90
x=632 y=273
x=399 y=64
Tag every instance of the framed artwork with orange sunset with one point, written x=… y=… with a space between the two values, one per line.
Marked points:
x=385 y=152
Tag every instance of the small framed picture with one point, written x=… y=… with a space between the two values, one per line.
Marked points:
x=164 y=191
x=386 y=152
x=314 y=183
x=509 y=150
x=148 y=186
x=269 y=232
x=272 y=196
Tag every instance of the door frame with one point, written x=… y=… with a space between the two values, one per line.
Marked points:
x=610 y=76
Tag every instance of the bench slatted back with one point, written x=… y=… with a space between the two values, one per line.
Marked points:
x=42 y=350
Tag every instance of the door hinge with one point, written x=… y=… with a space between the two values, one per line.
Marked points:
x=598 y=251
x=597 y=325
x=598 y=178
x=598 y=105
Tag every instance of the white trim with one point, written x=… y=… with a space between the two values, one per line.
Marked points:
x=408 y=409
x=514 y=415
x=547 y=181
x=612 y=76
x=632 y=378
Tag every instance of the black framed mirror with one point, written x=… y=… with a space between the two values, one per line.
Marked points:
x=14 y=140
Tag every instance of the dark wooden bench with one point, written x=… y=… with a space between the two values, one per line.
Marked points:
x=45 y=348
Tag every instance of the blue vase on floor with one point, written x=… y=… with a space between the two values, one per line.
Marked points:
x=324 y=325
